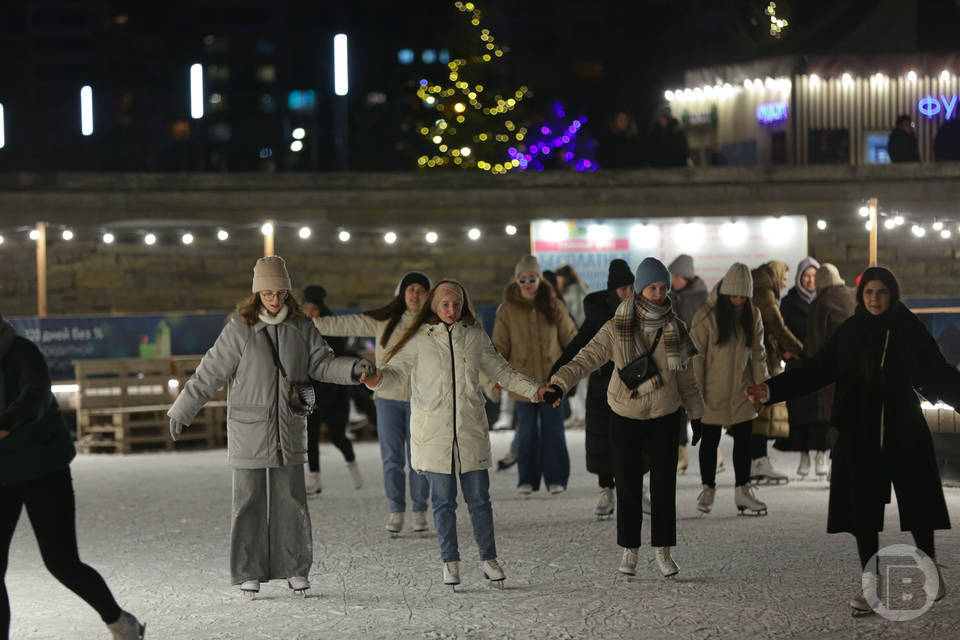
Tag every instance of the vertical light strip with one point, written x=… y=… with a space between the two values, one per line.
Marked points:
x=86 y=110
x=196 y=91
x=3 y=135
x=340 y=79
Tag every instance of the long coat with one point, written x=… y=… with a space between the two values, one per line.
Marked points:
x=883 y=436
x=832 y=307
x=804 y=413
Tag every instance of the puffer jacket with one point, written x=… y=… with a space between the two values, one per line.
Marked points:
x=777 y=338
x=362 y=325
x=679 y=387
x=725 y=370
x=262 y=431
x=449 y=431
x=573 y=300
x=686 y=303
x=528 y=340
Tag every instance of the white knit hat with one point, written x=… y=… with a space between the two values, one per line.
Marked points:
x=270 y=274
x=528 y=263
x=737 y=281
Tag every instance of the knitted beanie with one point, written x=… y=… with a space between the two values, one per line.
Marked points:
x=737 y=281
x=683 y=267
x=270 y=274
x=651 y=270
x=528 y=263
x=828 y=276
x=619 y=274
x=315 y=294
x=413 y=277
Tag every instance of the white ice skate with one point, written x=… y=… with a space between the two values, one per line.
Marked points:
x=604 y=508
x=505 y=419
x=451 y=574
x=628 y=563
x=395 y=523
x=492 y=572
x=705 y=499
x=747 y=503
x=556 y=489
x=525 y=489
x=867 y=593
x=762 y=472
x=313 y=483
x=804 y=469
x=250 y=588
x=299 y=584
x=127 y=627
x=354 y=470
x=822 y=466
x=419 y=521
x=666 y=564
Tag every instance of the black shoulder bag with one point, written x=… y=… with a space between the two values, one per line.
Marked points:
x=643 y=368
x=302 y=397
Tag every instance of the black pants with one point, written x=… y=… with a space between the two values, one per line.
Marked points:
x=52 y=511
x=606 y=480
x=336 y=414
x=710 y=442
x=657 y=440
x=682 y=420
x=758 y=446
x=869 y=543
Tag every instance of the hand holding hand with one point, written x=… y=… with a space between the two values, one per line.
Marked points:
x=551 y=394
x=371 y=380
x=176 y=428
x=361 y=366
x=497 y=388
x=697 y=425
x=757 y=393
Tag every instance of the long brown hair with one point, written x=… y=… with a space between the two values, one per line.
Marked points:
x=392 y=311
x=726 y=320
x=427 y=316
x=569 y=274
x=249 y=308
x=543 y=301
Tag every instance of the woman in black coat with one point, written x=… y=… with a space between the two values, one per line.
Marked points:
x=35 y=455
x=880 y=359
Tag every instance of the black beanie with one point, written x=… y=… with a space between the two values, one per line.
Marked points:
x=314 y=293
x=413 y=277
x=620 y=274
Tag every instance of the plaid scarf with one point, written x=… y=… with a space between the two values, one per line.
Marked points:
x=633 y=317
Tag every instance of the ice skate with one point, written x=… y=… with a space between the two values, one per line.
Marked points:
x=720 y=466
x=682 y=461
x=127 y=627
x=299 y=584
x=506 y=461
x=354 y=470
x=604 y=508
x=505 y=419
x=628 y=563
x=451 y=574
x=395 y=523
x=556 y=489
x=492 y=572
x=747 y=503
x=822 y=466
x=666 y=564
x=250 y=588
x=804 y=469
x=762 y=472
x=313 y=483
x=419 y=521
x=705 y=499
x=525 y=489
x=860 y=603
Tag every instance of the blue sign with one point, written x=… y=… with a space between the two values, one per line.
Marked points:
x=931 y=107
x=772 y=112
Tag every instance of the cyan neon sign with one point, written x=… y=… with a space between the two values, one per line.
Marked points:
x=931 y=107
x=771 y=112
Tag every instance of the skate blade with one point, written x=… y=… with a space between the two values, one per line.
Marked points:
x=143 y=630
x=750 y=513
x=250 y=595
x=860 y=613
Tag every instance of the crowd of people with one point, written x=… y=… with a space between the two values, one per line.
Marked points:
x=664 y=357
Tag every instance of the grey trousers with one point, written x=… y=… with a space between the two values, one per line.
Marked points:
x=270 y=531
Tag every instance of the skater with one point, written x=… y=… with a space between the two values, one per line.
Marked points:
x=333 y=404
x=808 y=429
x=651 y=349
x=780 y=343
x=728 y=333
x=35 y=455
x=531 y=330
x=387 y=324
x=441 y=356
x=573 y=291
x=600 y=307
x=688 y=293
x=877 y=358
x=265 y=347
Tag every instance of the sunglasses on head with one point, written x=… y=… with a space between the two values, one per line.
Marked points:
x=528 y=280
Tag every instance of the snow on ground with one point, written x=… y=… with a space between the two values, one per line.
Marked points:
x=156 y=526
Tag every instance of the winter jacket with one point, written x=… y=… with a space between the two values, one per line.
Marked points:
x=804 y=411
x=832 y=307
x=363 y=325
x=724 y=370
x=262 y=430
x=38 y=443
x=872 y=450
x=573 y=299
x=902 y=146
x=679 y=387
x=686 y=303
x=526 y=338
x=449 y=431
x=599 y=307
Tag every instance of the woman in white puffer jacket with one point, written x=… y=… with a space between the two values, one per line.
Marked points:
x=442 y=354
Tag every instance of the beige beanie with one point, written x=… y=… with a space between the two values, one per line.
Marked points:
x=270 y=274
x=828 y=276
x=528 y=263
x=737 y=281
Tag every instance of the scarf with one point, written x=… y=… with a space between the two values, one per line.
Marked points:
x=632 y=320
x=277 y=319
x=7 y=336
x=806 y=263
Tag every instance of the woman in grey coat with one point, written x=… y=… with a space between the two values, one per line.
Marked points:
x=270 y=533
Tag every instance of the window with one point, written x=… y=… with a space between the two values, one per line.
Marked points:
x=875 y=147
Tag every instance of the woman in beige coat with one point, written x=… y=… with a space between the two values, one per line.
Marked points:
x=728 y=332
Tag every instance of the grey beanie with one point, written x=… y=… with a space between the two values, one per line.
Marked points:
x=270 y=274
x=683 y=267
x=650 y=270
x=528 y=263
x=737 y=281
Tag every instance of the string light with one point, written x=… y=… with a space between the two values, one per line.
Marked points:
x=67 y=234
x=389 y=237
x=266 y=229
x=510 y=229
x=1 y=239
x=149 y=239
x=431 y=237
x=108 y=238
x=822 y=225
x=473 y=234
x=34 y=234
x=187 y=238
x=344 y=236
x=304 y=233
x=222 y=235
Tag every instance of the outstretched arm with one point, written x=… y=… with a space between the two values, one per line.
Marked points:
x=812 y=374
x=216 y=368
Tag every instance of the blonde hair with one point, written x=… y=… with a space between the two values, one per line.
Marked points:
x=427 y=316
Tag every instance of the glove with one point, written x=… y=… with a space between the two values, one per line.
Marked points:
x=176 y=428
x=551 y=397
x=697 y=425
x=362 y=365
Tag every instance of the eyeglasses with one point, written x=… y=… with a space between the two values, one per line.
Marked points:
x=270 y=296
x=528 y=280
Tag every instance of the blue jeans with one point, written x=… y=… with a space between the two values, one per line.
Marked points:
x=393 y=430
x=476 y=493
x=541 y=445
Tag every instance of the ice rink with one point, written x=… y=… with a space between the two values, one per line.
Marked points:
x=157 y=527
